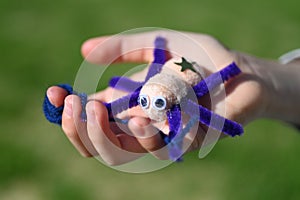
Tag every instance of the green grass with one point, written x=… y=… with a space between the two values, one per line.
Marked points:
x=40 y=45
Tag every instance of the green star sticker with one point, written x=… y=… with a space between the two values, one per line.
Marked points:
x=185 y=65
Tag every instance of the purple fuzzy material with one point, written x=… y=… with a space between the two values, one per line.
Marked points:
x=175 y=151
x=159 y=57
x=230 y=71
x=124 y=83
x=52 y=113
x=174 y=119
x=215 y=79
x=159 y=51
x=213 y=120
x=124 y=103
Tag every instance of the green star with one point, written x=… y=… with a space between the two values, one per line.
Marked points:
x=185 y=65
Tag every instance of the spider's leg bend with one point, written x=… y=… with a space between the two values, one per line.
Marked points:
x=123 y=103
x=215 y=79
x=124 y=83
x=160 y=57
x=213 y=120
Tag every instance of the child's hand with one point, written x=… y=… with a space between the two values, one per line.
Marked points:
x=247 y=97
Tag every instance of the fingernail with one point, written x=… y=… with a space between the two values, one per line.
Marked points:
x=50 y=96
x=68 y=109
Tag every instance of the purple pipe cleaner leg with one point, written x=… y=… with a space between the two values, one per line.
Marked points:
x=174 y=119
x=124 y=83
x=175 y=145
x=160 y=57
x=215 y=79
x=83 y=100
x=175 y=125
x=122 y=104
x=214 y=120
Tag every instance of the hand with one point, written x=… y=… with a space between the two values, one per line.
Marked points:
x=246 y=99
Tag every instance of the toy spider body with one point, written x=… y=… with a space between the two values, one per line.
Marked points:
x=165 y=94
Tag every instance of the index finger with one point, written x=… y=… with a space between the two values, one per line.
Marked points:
x=119 y=48
x=138 y=47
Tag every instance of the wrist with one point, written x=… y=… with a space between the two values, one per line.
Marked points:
x=286 y=93
x=282 y=87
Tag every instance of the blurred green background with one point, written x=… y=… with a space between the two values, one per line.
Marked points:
x=40 y=45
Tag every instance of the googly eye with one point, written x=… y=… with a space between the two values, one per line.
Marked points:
x=144 y=101
x=159 y=103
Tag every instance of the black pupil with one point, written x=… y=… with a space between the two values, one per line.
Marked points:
x=159 y=103
x=144 y=101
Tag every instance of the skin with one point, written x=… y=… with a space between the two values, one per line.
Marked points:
x=254 y=94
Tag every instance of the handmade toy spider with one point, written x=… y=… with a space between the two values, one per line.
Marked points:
x=164 y=95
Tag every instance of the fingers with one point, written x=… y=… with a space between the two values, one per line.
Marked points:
x=122 y=48
x=203 y=49
x=75 y=128
x=114 y=149
x=56 y=95
x=119 y=48
x=98 y=137
x=115 y=144
x=149 y=137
